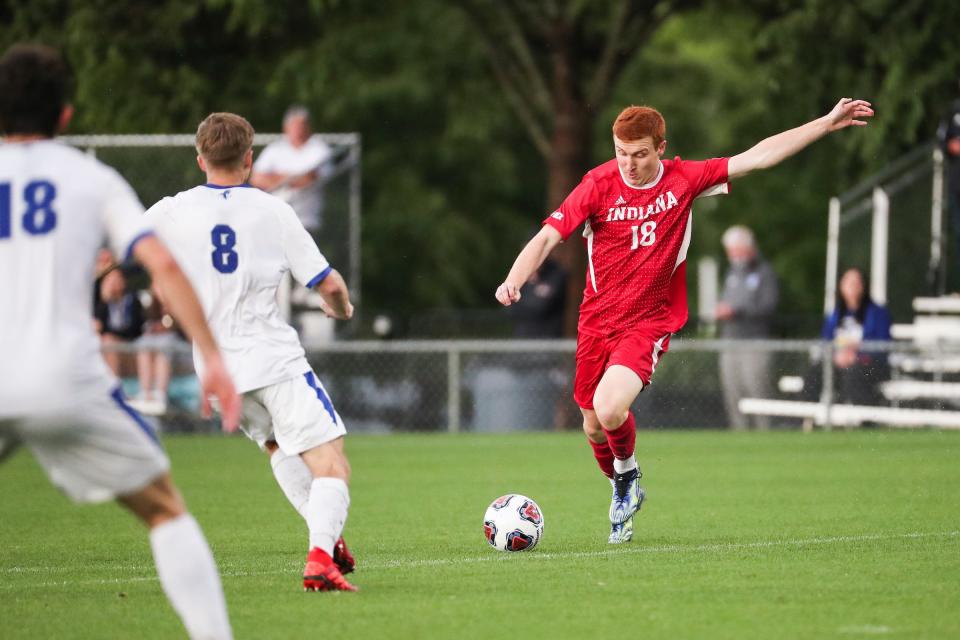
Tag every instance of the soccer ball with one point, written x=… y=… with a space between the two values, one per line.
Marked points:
x=513 y=523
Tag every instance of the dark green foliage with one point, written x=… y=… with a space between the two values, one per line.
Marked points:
x=452 y=180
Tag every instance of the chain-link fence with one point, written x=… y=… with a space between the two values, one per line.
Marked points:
x=163 y=165
x=517 y=385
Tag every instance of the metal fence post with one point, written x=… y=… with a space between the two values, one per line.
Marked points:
x=833 y=250
x=937 y=274
x=826 y=394
x=453 y=389
x=707 y=292
x=356 y=208
x=879 y=245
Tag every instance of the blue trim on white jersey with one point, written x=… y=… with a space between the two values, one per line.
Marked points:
x=321 y=395
x=137 y=238
x=245 y=185
x=317 y=279
x=117 y=395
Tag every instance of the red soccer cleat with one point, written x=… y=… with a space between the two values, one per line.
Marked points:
x=322 y=574
x=343 y=558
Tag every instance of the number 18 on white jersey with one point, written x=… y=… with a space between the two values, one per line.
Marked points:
x=57 y=207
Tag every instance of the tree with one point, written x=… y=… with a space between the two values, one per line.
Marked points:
x=445 y=164
x=900 y=54
x=474 y=113
x=556 y=63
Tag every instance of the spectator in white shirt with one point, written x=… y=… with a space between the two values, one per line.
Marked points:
x=295 y=167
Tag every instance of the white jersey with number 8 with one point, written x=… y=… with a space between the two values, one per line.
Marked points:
x=235 y=244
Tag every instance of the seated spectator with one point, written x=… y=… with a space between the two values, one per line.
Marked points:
x=857 y=318
x=118 y=314
x=154 y=358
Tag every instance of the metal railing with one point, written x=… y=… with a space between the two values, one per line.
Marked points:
x=505 y=385
x=874 y=195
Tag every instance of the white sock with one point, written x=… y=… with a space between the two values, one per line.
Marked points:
x=189 y=577
x=623 y=466
x=327 y=512
x=294 y=479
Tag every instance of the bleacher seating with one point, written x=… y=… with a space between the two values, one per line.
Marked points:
x=917 y=378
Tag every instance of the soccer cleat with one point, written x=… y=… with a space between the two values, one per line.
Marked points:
x=622 y=532
x=627 y=496
x=343 y=558
x=322 y=574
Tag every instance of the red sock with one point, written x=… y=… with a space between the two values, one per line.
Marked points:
x=601 y=451
x=623 y=439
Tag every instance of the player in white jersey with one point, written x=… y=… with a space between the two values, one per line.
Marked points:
x=236 y=242
x=57 y=206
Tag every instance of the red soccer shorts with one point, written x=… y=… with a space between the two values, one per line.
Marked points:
x=638 y=349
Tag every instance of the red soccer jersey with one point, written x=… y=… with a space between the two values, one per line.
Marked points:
x=637 y=240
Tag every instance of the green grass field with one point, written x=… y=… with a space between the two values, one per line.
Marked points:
x=778 y=535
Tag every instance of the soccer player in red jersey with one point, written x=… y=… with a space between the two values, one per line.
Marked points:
x=636 y=217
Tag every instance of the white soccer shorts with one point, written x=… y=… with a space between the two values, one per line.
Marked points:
x=100 y=449
x=297 y=414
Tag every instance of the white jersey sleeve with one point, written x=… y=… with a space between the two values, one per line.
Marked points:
x=303 y=257
x=122 y=215
x=156 y=213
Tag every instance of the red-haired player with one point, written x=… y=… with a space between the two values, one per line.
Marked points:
x=635 y=211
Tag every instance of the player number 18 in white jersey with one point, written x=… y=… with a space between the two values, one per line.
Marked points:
x=38 y=218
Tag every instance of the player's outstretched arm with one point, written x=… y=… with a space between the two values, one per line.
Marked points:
x=529 y=260
x=336 y=296
x=775 y=149
x=179 y=297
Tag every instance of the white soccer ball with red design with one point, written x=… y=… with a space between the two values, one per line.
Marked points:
x=513 y=523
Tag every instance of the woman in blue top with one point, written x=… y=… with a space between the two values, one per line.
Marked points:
x=856 y=318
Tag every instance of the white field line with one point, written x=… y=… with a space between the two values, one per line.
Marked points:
x=720 y=547
x=865 y=629
x=671 y=548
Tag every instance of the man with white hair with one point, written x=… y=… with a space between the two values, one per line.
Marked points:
x=293 y=168
x=745 y=311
